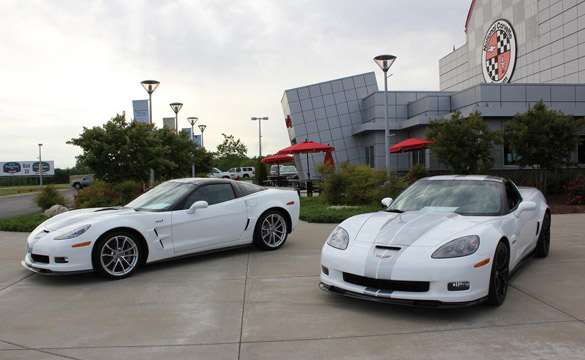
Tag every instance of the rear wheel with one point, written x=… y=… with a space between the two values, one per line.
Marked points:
x=500 y=275
x=116 y=255
x=77 y=186
x=543 y=244
x=271 y=231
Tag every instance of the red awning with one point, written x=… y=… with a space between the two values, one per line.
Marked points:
x=410 y=145
x=277 y=159
x=306 y=147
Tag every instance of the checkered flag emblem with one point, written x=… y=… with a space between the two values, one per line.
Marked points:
x=495 y=65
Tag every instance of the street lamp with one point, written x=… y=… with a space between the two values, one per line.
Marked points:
x=260 y=133
x=150 y=86
x=40 y=166
x=192 y=120
x=202 y=128
x=384 y=62
x=176 y=107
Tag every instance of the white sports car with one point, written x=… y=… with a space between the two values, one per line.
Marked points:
x=177 y=218
x=446 y=241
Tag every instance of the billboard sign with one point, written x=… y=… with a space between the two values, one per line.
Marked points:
x=169 y=122
x=140 y=110
x=26 y=168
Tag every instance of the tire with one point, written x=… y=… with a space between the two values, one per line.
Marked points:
x=245 y=176
x=116 y=255
x=543 y=244
x=271 y=231
x=77 y=186
x=499 y=275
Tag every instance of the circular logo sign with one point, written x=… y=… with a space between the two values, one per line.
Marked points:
x=499 y=52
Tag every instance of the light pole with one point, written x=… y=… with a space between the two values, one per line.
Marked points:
x=176 y=108
x=384 y=62
x=202 y=128
x=40 y=166
x=150 y=86
x=192 y=120
x=260 y=133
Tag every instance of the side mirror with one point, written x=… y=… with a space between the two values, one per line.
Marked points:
x=525 y=206
x=197 y=205
x=387 y=201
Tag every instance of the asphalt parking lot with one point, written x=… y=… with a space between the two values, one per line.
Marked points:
x=247 y=304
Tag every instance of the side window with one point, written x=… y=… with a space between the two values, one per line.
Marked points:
x=512 y=195
x=213 y=194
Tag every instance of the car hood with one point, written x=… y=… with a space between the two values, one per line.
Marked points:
x=84 y=216
x=415 y=228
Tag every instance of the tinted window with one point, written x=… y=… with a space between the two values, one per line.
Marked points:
x=512 y=195
x=213 y=194
x=248 y=188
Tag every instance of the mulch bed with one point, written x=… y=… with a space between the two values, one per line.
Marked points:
x=558 y=205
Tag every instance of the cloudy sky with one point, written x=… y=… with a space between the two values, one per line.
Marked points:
x=71 y=64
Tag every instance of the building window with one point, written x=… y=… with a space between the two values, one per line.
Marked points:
x=418 y=157
x=581 y=151
x=510 y=158
x=369 y=152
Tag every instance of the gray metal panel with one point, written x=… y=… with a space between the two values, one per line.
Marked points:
x=337 y=86
x=295 y=107
x=359 y=81
x=340 y=97
x=318 y=102
x=562 y=93
x=370 y=79
x=326 y=88
x=306 y=104
x=304 y=93
x=331 y=111
x=334 y=122
x=292 y=95
x=534 y=93
x=512 y=93
x=342 y=109
x=348 y=84
x=328 y=100
x=320 y=113
x=309 y=115
x=315 y=90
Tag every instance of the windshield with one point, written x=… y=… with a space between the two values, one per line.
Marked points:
x=162 y=197
x=465 y=197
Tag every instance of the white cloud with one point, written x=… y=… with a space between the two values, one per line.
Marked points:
x=70 y=64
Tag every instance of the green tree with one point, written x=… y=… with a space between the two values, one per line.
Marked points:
x=463 y=144
x=543 y=139
x=119 y=151
x=230 y=153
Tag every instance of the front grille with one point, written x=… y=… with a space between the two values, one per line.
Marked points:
x=389 y=285
x=40 y=258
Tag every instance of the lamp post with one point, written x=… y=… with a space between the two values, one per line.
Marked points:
x=260 y=133
x=176 y=108
x=384 y=62
x=40 y=166
x=202 y=128
x=150 y=86
x=192 y=120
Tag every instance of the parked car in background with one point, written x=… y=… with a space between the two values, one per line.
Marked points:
x=242 y=172
x=177 y=218
x=274 y=170
x=215 y=172
x=83 y=182
x=289 y=172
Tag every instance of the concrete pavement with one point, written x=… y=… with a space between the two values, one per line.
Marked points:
x=248 y=304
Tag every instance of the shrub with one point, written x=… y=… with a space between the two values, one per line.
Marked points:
x=392 y=187
x=261 y=172
x=575 y=191
x=101 y=194
x=48 y=197
x=416 y=172
x=22 y=223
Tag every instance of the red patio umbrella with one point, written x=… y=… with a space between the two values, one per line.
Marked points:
x=277 y=159
x=410 y=145
x=306 y=147
x=329 y=159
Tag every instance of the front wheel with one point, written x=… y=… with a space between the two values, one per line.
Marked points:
x=271 y=231
x=543 y=244
x=499 y=276
x=116 y=255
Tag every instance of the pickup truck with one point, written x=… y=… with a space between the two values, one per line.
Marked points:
x=215 y=172
x=83 y=182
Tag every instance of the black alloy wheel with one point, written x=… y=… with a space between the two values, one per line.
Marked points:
x=499 y=275
x=543 y=244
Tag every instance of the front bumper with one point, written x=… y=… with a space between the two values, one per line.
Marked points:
x=411 y=265
x=46 y=271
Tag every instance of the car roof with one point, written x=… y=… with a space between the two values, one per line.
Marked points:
x=197 y=181
x=467 y=178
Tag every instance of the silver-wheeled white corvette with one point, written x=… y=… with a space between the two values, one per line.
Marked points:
x=177 y=218
x=446 y=241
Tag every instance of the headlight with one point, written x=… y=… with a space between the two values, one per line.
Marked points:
x=73 y=233
x=462 y=246
x=338 y=238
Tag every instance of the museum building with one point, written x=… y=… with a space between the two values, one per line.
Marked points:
x=517 y=53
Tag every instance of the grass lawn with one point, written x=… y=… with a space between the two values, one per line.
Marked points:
x=314 y=211
x=11 y=190
x=22 y=223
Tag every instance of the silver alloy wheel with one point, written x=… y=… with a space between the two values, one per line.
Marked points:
x=273 y=231
x=119 y=255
